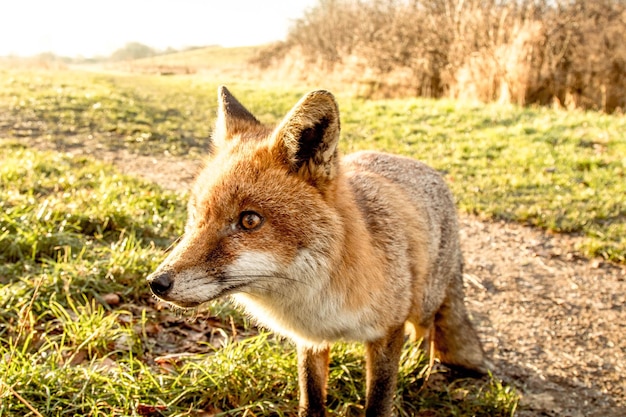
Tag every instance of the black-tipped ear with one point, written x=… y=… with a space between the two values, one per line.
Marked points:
x=232 y=117
x=309 y=134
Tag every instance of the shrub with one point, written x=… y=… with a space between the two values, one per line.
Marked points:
x=529 y=51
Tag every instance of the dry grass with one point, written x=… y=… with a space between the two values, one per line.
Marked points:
x=568 y=53
x=198 y=60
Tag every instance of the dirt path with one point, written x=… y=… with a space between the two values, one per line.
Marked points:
x=553 y=323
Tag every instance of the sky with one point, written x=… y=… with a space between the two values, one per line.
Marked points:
x=90 y=28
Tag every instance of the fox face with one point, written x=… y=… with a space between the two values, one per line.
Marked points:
x=262 y=219
x=249 y=225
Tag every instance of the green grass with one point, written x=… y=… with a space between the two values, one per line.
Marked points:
x=560 y=171
x=73 y=230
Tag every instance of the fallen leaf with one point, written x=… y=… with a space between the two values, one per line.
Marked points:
x=112 y=299
x=150 y=410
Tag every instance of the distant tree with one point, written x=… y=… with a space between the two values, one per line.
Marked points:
x=132 y=50
x=49 y=57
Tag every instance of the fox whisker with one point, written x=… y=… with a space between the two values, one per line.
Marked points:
x=173 y=244
x=269 y=276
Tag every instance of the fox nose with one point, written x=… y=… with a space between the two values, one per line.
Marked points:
x=160 y=283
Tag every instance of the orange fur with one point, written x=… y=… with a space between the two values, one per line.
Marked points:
x=349 y=249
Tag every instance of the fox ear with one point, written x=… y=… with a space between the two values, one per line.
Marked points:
x=308 y=136
x=232 y=117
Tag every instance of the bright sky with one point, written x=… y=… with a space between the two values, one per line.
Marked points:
x=88 y=28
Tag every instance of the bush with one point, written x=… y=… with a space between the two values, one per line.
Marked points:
x=132 y=50
x=542 y=51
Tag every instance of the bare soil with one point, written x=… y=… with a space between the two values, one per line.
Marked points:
x=553 y=323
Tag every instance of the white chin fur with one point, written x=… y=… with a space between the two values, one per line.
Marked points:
x=301 y=307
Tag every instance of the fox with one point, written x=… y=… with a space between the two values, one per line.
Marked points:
x=320 y=247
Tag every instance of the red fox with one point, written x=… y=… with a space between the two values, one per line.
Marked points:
x=321 y=248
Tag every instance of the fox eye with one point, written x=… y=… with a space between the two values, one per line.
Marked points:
x=249 y=220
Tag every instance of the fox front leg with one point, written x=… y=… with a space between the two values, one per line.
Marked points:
x=383 y=357
x=312 y=377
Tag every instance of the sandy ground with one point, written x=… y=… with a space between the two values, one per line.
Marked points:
x=553 y=323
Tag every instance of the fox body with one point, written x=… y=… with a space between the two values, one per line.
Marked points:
x=321 y=248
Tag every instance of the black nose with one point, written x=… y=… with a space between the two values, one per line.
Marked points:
x=160 y=283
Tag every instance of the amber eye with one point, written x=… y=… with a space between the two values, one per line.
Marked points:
x=249 y=220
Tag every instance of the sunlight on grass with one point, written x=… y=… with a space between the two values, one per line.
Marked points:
x=73 y=231
x=68 y=352
x=561 y=171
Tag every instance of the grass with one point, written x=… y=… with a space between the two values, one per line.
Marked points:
x=206 y=58
x=73 y=231
x=150 y=114
x=560 y=171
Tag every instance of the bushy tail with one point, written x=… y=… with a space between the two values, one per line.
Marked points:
x=456 y=341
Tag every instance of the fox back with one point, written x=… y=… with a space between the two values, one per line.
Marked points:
x=321 y=248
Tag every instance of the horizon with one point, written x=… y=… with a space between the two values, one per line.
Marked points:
x=76 y=29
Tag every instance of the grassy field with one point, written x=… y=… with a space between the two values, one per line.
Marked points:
x=79 y=332
x=561 y=171
x=210 y=58
x=207 y=57
x=80 y=335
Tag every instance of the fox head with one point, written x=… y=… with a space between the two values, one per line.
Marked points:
x=260 y=218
